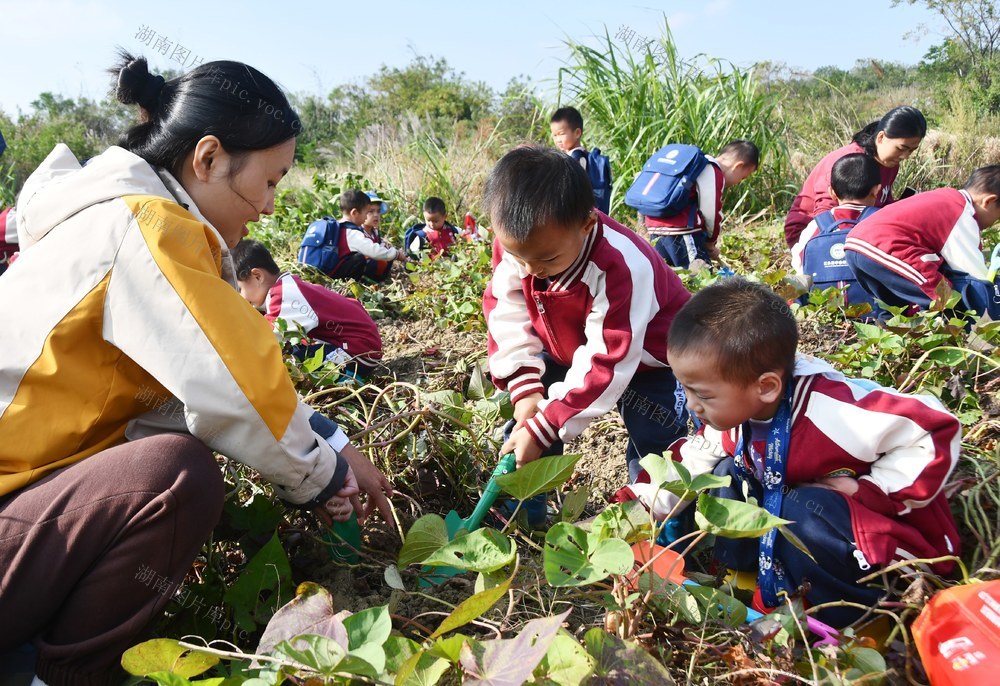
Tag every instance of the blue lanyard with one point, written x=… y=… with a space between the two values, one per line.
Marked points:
x=770 y=574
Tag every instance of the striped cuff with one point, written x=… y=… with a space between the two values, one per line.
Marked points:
x=525 y=384
x=541 y=431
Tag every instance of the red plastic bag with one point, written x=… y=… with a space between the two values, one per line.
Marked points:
x=958 y=635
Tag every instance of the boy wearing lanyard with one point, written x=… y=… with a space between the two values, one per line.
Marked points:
x=857 y=468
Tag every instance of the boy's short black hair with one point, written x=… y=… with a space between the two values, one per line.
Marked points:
x=569 y=115
x=531 y=186
x=854 y=176
x=354 y=199
x=433 y=205
x=249 y=254
x=744 y=326
x=985 y=180
x=744 y=151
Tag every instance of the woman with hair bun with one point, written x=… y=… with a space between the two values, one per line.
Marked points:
x=890 y=140
x=129 y=356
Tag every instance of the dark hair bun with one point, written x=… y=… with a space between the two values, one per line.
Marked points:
x=134 y=83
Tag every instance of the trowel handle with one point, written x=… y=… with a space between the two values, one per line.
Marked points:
x=994 y=263
x=508 y=463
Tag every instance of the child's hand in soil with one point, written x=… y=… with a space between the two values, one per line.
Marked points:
x=340 y=507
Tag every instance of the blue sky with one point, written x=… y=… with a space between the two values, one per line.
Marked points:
x=64 y=45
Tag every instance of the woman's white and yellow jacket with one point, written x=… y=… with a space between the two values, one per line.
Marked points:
x=120 y=319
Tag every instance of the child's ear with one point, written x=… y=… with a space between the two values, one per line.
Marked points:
x=876 y=189
x=770 y=386
x=833 y=194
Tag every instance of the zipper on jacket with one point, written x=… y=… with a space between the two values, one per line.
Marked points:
x=862 y=560
x=538 y=303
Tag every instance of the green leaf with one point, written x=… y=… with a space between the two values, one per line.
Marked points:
x=428 y=671
x=483 y=550
x=574 y=504
x=706 y=482
x=311 y=364
x=566 y=663
x=490 y=579
x=263 y=587
x=427 y=535
x=399 y=649
x=628 y=521
x=166 y=655
x=367 y=630
x=662 y=468
x=449 y=648
x=168 y=679
x=733 y=519
x=572 y=557
x=620 y=662
x=258 y=515
x=470 y=608
x=867 y=660
x=948 y=356
x=540 y=476
x=478 y=383
x=318 y=653
x=510 y=662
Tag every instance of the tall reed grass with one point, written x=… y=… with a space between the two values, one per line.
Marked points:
x=633 y=104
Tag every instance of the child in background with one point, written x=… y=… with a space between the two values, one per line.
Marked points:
x=357 y=208
x=679 y=240
x=854 y=185
x=345 y=331
x=858 y=472
x=566 y=126
x=577 y=312
x=435 y=234
x=903 y=252
x=889 y=141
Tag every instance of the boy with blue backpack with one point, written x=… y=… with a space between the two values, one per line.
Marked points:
x=855 y=183
x=679 y=194
x=566 y=126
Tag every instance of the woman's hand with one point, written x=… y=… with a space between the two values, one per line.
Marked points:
x=371 y=482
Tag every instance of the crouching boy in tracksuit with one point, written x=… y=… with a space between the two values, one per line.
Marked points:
x=859 y=470
x=577 y=312
x=340 y=326
x=903 y=252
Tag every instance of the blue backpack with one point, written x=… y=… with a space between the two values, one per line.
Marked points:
x=324 y=245
x=824 y=259
x=663 y=187
x=599 y=171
